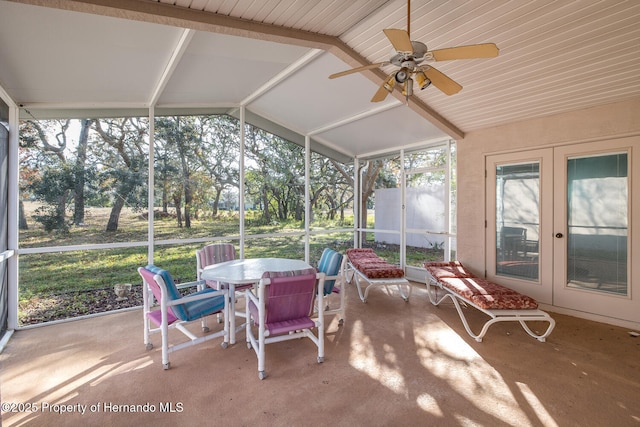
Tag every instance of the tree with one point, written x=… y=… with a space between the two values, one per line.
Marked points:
x=218 y=155
x=123 y=149
x=182 y=139
x=80 y=172
x=51 y=183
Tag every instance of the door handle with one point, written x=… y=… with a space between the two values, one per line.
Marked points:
x=559 y=235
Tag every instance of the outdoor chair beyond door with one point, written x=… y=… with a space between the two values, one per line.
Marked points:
x=176 y=309
x=333 y=264
x=282 y=309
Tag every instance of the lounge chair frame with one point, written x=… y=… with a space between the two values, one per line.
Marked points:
x=501 y=315
x=358 y=276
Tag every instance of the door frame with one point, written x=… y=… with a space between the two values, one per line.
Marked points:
x=625 y=307
x=609 y=308
x=541 y=289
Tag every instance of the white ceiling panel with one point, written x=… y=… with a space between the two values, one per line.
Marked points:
x=218 y=69
x=298 y=95
x=555 y=56
x=54 y=56
x=371 y=135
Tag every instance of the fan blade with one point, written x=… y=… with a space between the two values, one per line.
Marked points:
x=442 y=82
x=381 y=94
x=486 y=50
x=356 y=70
x=399 y=39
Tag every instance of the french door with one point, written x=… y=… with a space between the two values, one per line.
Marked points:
x=559 y=226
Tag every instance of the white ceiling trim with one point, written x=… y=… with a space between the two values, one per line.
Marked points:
x=355 y=117
x=283 y=75
x=180 y=49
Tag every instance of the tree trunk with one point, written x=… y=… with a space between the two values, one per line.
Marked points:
x=177 y=200
x=22 y=221
x=188 y=198
x=114 y=216
x=79 y=173
x=216 y=202
x=266 y=214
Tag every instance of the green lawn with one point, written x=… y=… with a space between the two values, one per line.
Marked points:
x=67 y=272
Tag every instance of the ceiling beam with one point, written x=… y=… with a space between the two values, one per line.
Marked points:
x=168 y=14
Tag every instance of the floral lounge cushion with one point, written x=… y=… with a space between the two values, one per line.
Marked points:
x=371 y=266
x=506 y=302
x=484 y=293
x=447 y=269
x=390 y=272
x=470 y=286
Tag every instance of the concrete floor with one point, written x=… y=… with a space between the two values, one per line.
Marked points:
x=392 y=363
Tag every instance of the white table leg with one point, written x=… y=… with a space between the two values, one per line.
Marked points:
x=232 y=313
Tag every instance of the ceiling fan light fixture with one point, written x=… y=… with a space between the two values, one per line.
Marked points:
x=422 y=80
x=407 y=90
x=390 y=83
x=402 y=75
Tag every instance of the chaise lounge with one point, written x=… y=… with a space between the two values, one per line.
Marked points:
x=501 y=304
x=365 y=265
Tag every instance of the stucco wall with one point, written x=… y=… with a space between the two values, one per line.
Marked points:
x=604 y=122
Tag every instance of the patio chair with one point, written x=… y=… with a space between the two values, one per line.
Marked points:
x=214 y=254
x=333 y=264
x=282 y=309
x=177 y=309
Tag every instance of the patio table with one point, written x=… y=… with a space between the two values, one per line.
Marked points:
x=245 y=272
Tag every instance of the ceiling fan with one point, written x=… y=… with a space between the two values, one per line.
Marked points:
x=410 y=55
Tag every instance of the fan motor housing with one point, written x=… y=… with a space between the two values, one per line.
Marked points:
x=409 y=60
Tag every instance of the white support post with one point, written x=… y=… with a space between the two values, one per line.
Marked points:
x=307 y=197
x=403 y=212
x=151 y=195
x=356 y=202
x=13 y=216
x=447 y=205
x=241 y=190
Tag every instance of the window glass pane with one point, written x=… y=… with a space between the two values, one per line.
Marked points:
x=339 y=241
x=196 y=177
x=282 y=246
x=82 y=181
x=518 y=220
x=53 y=286
x=428 y=205
x=330 y=193
x=274 y=183
x=597 y=223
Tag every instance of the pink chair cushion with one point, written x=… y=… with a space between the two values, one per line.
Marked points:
x=289 y=301
x=156 y=317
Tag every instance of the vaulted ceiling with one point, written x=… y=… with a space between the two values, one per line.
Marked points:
x=117 y=57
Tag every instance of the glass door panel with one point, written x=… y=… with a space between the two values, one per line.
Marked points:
x=518 y=220
x=594 y=202
x=519 y=213
x=597 y=226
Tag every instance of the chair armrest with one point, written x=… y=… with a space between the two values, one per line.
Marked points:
x=191 y=298
x=249 y=295
x=190 y=284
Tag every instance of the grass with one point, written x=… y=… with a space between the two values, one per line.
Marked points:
x=69 y=283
